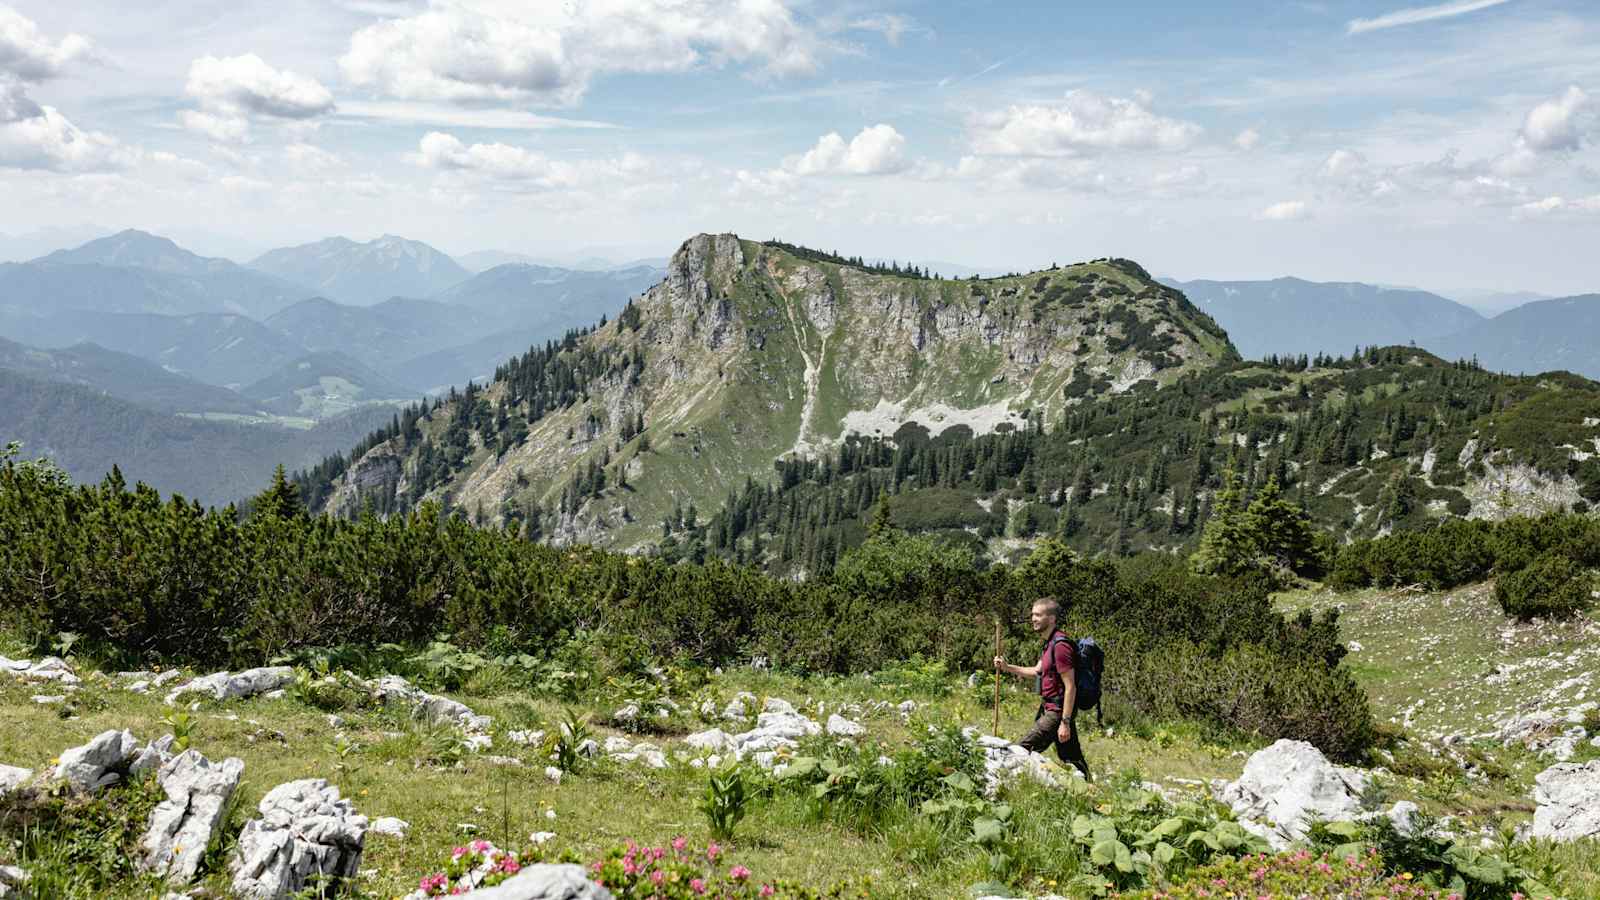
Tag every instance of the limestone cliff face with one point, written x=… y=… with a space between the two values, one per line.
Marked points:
x=753 y=351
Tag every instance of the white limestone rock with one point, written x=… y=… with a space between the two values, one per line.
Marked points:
x=13 y=778
x=389 y=826
x=51 y=668
x=183 y=825
x=1568 y=798
x=713 y=740
x=546 y=882
x=1288 y=785
x=235 y=685
x=839 y=726
x=304 y=830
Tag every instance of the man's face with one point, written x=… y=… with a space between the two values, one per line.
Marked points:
x=1041 y=618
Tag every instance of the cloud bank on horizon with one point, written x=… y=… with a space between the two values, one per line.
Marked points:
x=1454 y=144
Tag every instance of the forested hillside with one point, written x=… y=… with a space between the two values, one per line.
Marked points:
x=749 y=352
x=1388 y=441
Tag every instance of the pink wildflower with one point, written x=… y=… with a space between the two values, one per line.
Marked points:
x=679 y=843
x=657 y=877
x=713 y=851
x=480 y=846
x=740 y=873
x=697 y=885
x=767 y=890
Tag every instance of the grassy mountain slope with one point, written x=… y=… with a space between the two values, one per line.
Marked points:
x=1291 y=315
x=749 y=352
x=123 y=376
x=87 y=432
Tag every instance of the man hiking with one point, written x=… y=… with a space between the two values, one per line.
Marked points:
x=1058 y=688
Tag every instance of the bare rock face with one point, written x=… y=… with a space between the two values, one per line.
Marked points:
x=1568 y=798
x=546 y=882
x=183 y=825
x=108 y=758
x=1287 y=786
x=235 y=685
x=305 y=832
x=12 y=882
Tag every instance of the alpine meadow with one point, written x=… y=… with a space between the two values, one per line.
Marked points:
x=799 y=449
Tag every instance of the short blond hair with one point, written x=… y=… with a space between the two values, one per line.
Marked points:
x=1052 y=605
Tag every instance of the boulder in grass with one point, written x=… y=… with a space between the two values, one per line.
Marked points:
x=1287 y=786
x=183 y=825
x=1568 y=798
x=305 y=832
x=839 y=726
x=13 y=778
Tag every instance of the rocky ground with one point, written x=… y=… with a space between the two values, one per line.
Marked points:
x=1497 y=735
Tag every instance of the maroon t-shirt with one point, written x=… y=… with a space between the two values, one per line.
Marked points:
x=1051 y=665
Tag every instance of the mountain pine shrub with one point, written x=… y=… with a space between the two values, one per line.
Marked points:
x=1552 y=586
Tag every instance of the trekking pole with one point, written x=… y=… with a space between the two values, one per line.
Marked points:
x=997 y=678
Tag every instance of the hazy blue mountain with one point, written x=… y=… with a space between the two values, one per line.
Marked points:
x=484 y=260
x=383 y=334
x=324 y=384
x=1542 y=336
x=1290 y=315
x=123 y=376
x=86 y=432
x=529 y=294
x=227 y=350
x=366 y=273
x=1493 y=303
x=473 y=361
x=133 y=271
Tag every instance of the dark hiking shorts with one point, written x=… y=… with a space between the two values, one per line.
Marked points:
x=1043 y=734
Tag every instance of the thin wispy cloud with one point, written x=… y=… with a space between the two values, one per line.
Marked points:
x=1416 y=14
x=949 y=80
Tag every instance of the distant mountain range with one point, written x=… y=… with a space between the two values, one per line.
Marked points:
x=1536 y=337
x=234 y=326
x=87 y=431
x=1293 y=316
x=364 y=274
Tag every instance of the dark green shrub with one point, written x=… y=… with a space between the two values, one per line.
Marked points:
x=1552 y=586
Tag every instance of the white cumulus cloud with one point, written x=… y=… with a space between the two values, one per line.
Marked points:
x=1287 y=211
x=526 y=169
x=878 y=150
x=1555 y=124
x=232 y=91
x=27 y=55
x=1082 y=123
x=550 y=52
x=1247 y=139
x=1559 y=204
x=48 y=141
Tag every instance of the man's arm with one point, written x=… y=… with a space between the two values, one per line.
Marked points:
x=1001 y=665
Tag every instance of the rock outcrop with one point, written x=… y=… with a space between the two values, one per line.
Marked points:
x=430 y=708
x=184 y=824
x=235 y=685
x=1568 y=798
x=51 y=668
x=305 y=833
x=108 y=758
x=1288 y=785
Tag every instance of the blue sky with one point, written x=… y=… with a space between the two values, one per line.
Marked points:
x=1450 y=145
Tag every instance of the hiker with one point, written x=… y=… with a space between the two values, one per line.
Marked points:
x=1058 y=688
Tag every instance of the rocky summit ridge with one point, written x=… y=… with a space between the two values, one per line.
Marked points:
x=749 y=352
